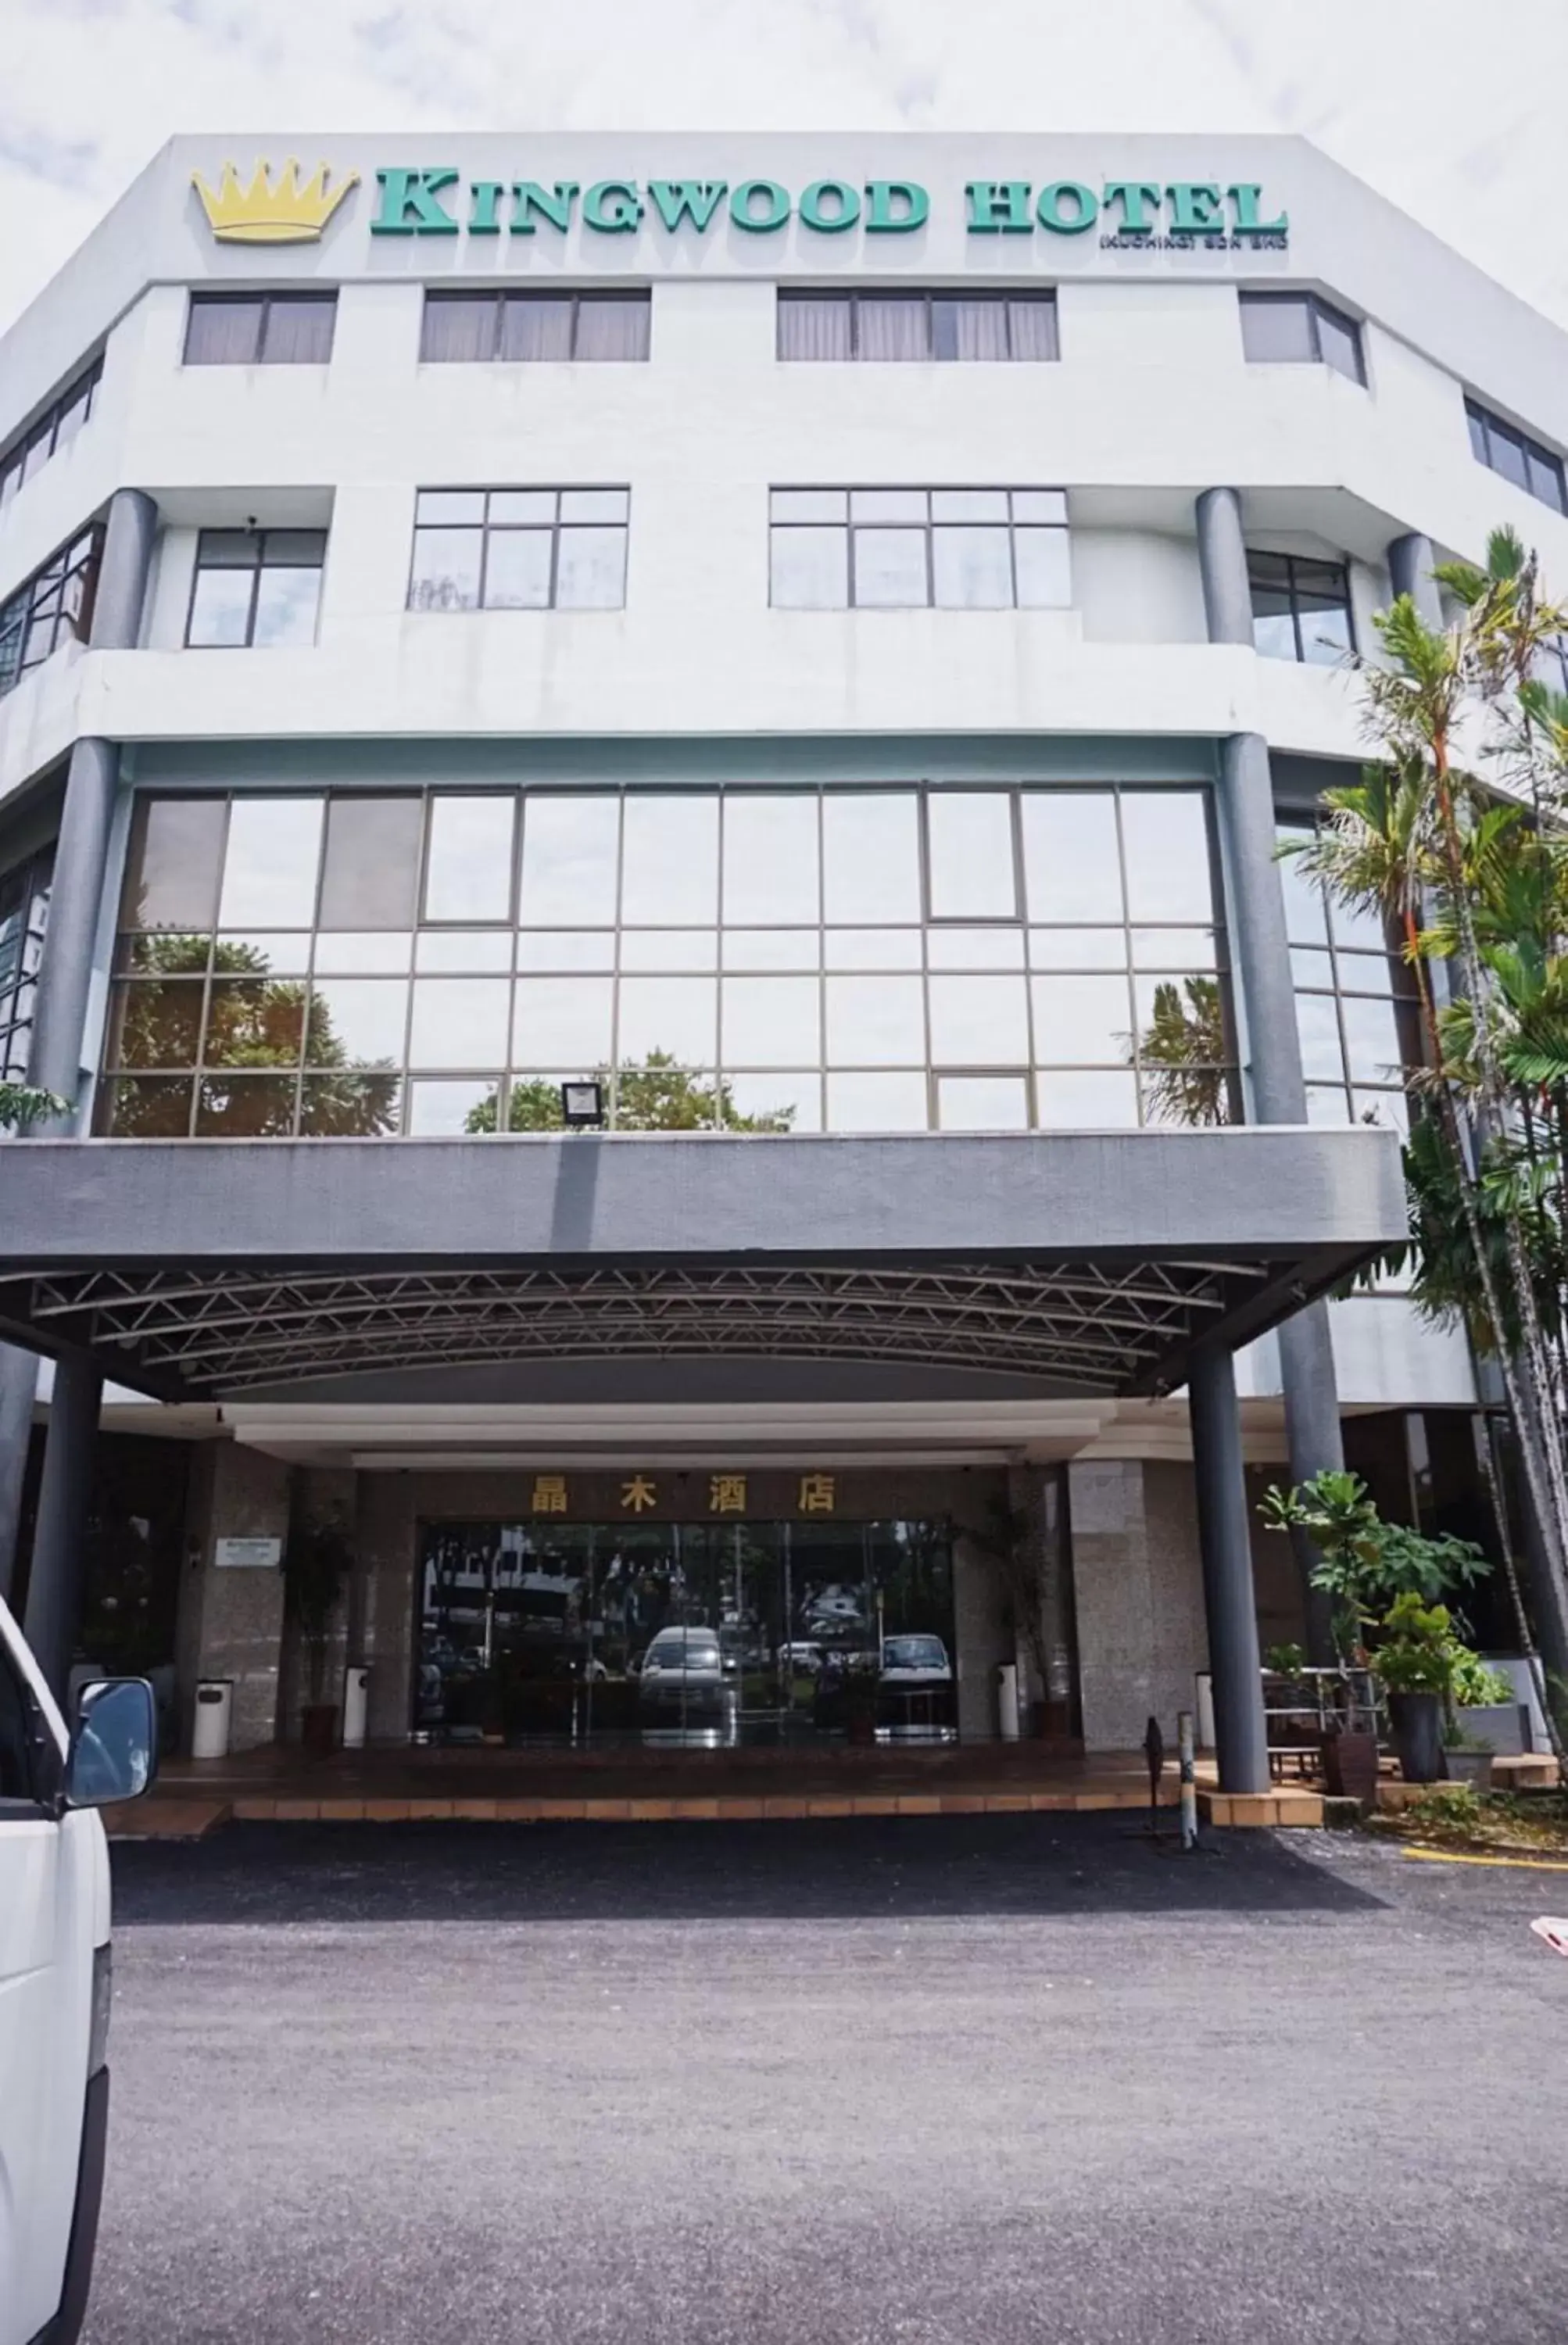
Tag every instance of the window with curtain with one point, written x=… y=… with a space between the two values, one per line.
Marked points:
x=1302 y=330
x=54 y=431
x=900 y=549
x=53 y=607
x=255 y=587
x=1504 y=448
x=520 y=549
x=1300 y=609
x=465 y=329
x=897 y=325
x=261 y=328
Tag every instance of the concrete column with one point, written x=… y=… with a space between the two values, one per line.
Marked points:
x=1227 y=1554
x=1260 y=956
x=231 y=1623
x=18 y=1389
x=1411 y=564
x=58 y=1576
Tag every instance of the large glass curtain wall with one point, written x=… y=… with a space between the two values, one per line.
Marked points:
x=710 y=1633
x=853 y=960
x=1355 y=1007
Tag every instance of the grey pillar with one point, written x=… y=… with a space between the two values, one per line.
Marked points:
x=58 y=1576
x=1260 y=955
x=1411 y=564
x=18 y=1388
x=1226 y=1551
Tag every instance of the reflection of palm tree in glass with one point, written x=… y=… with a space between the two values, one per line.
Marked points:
x=1183 y=1054
x=254 y=1023
x=654 y=1094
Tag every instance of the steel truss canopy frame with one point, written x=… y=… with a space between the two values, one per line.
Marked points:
x=1094 y=1263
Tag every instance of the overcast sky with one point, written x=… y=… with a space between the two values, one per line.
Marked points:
x=1454 y=111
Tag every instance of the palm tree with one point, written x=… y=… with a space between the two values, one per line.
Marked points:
x=1183 y=1054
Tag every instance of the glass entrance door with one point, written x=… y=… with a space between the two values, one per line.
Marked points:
x=705 y=1635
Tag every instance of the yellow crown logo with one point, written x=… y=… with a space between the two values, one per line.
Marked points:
x=288 y=213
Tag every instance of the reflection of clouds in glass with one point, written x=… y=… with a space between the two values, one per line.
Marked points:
x=459 y=1022
x=771 y=1021
x=871 y=849
x=875 y=1021
x=559 y=1021
x=979 y=1021
x=570 y=851
x=468 y=875
x=270 y=868
x=770 y=859
x=1070 y=859
x=675 y=1014
x=1165 y=837
x=670 y=866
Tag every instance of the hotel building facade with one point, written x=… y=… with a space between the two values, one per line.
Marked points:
x=808 y=645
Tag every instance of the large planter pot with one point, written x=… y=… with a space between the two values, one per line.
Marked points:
x=319 y=1728
x=1472 y=1767
x=1351 y=1766
x=1417 y=1722
x=1499 y=1724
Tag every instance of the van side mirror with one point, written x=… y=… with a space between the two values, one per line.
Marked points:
x=113 y=1750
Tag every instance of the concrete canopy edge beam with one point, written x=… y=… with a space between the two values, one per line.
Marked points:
x=1245 y=1194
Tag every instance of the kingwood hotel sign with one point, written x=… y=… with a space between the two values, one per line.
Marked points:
x=1131 y=213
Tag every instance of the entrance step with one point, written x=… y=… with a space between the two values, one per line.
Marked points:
x=160 y=1818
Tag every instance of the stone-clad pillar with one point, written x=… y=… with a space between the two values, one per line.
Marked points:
x=1226 y=1548
x=65 y=968
x=1260 y=956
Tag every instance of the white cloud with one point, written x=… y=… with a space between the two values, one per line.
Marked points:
x=1452 y=114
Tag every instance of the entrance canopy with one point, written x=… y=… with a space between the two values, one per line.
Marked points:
x=1094 y=1262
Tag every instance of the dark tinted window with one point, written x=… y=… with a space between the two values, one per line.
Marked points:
x=1504 y=448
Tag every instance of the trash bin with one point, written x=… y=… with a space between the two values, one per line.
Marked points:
x=356 y=1707
x=1007 y=1700
x=214 y=1709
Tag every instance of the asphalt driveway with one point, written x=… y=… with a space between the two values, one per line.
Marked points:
x=929 y=2080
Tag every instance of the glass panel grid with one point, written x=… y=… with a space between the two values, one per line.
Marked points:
x=54 y=606
x=259 y=587
x=520 y=549
x=261 y=328
x=1300 y=608
x=909 y=549
x=747 y=958
x=1355 y=1005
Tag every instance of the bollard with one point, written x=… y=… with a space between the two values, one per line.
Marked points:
x=1188 y=1785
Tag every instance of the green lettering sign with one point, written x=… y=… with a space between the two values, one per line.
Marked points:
x=409 y=207
x=613 y=207
x=845 y=203
x=882 y=199
x=1196 y=209
x=693 y=199
x=1245 y=196
x=742 y=205
x=482 y=217
x=552 y=203
x=1135 y=195
x=998 y=206
x=1085 y=206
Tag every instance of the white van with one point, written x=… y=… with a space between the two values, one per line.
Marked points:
x=54 y=1979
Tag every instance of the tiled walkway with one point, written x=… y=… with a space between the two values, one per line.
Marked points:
x=280 y=1784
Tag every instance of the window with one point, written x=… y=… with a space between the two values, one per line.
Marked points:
x=259 y=329
x=943 y=326
x=55 y=605
x=24 y=914
x=1300 y=330
x=1355 y=1004
x=256 y=586
x=55 y=428
x=462 y=328
x=1300 y=609
x=520 y=549
x=899 y=958
x=902 y=549
x=1503 y=448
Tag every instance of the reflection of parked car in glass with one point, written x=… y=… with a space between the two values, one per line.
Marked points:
x=687 y=1669
x=835 y=1603
x=915 y=1661
x=802 y=1653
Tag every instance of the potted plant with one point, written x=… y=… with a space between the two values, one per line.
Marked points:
x=1467 y=1758
x=1483 y=1708
x=317 y=1561
x=1367 y=1567
x=1414 y=1661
